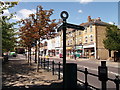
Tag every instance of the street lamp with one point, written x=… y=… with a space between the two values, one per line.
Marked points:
x=64 y=16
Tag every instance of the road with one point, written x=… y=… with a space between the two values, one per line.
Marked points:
x=92 y=67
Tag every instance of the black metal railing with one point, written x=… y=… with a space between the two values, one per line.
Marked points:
x=57 y=69
x=86 y=73
x=51 y=65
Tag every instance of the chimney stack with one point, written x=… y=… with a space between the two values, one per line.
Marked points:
x=89 y=18
x=99 y=18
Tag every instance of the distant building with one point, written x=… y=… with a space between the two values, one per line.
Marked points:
x=83 y=44
x=93 y=37
x=87 y=43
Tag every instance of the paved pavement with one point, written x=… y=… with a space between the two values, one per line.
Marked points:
x=18 y=74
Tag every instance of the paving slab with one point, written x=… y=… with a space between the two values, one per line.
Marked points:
x=18 y=73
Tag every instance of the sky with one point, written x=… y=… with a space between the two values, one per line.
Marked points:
x=78 y=11
x=81 y=1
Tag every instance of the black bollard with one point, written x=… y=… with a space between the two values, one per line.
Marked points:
x=86 y=83
x=103 y=75
x=71 y=76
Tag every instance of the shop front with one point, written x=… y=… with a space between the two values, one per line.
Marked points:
x=79 y=51
x=69 y=51
x=51 y=52
x=57 y=51
x=89 y=52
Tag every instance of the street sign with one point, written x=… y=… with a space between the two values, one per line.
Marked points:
x=64 y=15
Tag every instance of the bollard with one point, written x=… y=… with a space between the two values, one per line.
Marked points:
x=59 y=70
x=103 y=74
x=53 y=67
x=86 y=83
x=71 y=76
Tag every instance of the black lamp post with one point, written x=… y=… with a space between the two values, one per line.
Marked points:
x=75 y=45
x=64 y=16
x=64 y=43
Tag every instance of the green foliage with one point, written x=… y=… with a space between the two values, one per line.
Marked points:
x=112 y=41
x=8 y=30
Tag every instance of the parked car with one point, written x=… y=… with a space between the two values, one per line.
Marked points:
x=13 y=54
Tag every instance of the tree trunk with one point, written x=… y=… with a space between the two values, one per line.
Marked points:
x=36 y=54
x=119 y=56
x=30 y=56
x=38 y=57
x=109 y=53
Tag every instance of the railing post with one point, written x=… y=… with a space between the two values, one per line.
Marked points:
x=53 y=67
x=48 y=64
x=59 y=70
x=117 y=82
x=86 y=83
x=44 y=63
x=41 y=62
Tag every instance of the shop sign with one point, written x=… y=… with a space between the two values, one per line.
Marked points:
x=79 y=47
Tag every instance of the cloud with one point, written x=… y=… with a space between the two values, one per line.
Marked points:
x=24 y=13
x=85 y=1
x=80 y=11
x=111 y=23
x=6 y=13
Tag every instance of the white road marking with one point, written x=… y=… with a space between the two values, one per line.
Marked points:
x=97 y=70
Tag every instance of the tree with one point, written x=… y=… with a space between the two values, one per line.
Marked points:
x=39 y=28
x=112 y=41
x=8 y=30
